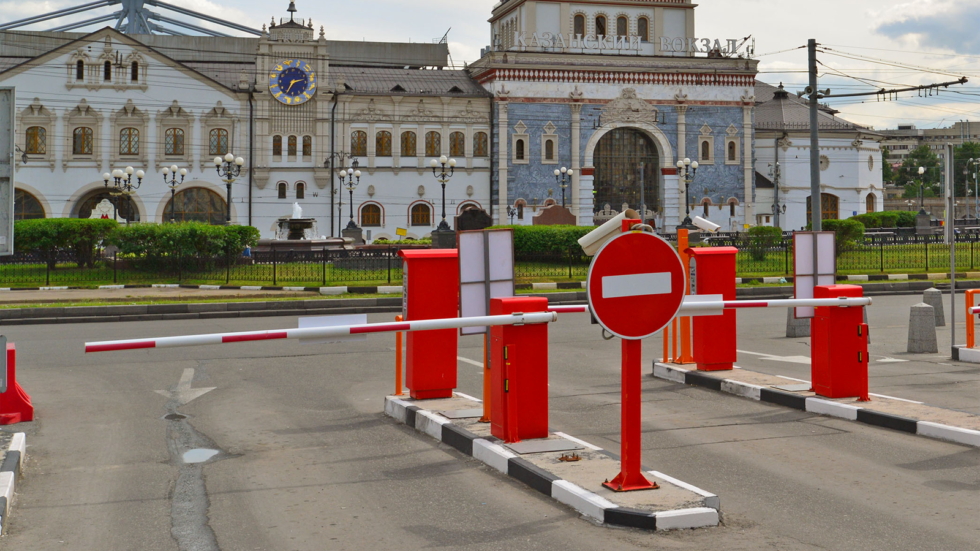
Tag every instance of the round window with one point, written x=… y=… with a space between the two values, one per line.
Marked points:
x=824 y=162
x=871 y=163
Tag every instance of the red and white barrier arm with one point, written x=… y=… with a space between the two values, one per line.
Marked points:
x=693 y=307
x=322 y=332
x=975 y=310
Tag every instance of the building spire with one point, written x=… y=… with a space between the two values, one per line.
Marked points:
x=292 y=9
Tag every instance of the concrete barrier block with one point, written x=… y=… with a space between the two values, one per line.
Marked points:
x=796 y=327
x=934 y=298
x=922 y=330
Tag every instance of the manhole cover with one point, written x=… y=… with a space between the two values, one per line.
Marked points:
x=175 y=417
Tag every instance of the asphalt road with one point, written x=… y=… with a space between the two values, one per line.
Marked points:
x=307 y=461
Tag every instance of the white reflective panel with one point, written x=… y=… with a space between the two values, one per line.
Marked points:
x=804 y=289
x=827 y=256
x=471 y=267
x=803 y=251
x=502 y=289
x=501 y=255
x=472 y=304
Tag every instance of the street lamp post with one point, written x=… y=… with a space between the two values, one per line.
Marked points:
x=976 y=185
x=352 y=177
x=439 y=171
x=774 y=175
x=687 y=169
x=172 y=172
x=563 y=177
x=122 y=186
x=921 y=193
x=511 y=212
x=228 y=168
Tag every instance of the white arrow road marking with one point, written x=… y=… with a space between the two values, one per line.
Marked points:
x=183 y=393
x=636 y=285
x=469 y=361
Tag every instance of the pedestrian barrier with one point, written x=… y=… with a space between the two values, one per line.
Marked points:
x=15 y=404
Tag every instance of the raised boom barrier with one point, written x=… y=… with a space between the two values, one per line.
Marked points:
x=693 y=308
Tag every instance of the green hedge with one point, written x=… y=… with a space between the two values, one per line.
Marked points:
x=47 y=236
x=548 y=239
x=761 y=239
x=405 y=241
x=849 y=232
x=886 y=219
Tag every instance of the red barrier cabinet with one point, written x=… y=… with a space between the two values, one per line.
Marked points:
x=430 y=287
x=713 y=273
x=839 y=367
x=519 y=381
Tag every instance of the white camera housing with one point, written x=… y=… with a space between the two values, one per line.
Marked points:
x=706 y=225
x=595 y=239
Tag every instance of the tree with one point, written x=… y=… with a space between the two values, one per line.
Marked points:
x=887 y=172
x=963 y=171
x=908 y=173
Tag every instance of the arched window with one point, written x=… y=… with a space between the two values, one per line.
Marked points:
x=643 y=29
x=174 y=142
x=421 y=215
x=358 y=143
x=731 y=208
x=125 y=207
x=600 y=25
x=520 y=209
x=433 y=144
x=218 y=141
x=291 y=146
x=549 y=150
x=134 y=72
x=129 y=141
x=382 y=144
x=409 y=144
x=198 y=205
x=79 y=70
x=457 y=144
x=829 y=207
x=107 y=71
x=731 y=151
x=705 y=151
x=300 y=190
x=277 y=146
x=481 y=145
x=307 y=146
x=579 y=27
x=622 y=26
x=869 y=203
x=37 y=140
x=371 y=215
x=26 y=206
x=282 y=188
x=81 y=141
x=519 y=152
x=705 y=204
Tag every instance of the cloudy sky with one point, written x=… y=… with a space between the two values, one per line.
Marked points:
x=934 y=35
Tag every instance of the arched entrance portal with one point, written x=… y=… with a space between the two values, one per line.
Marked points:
x=127 y=209
x=617 y=159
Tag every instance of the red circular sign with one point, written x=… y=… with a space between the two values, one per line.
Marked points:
x=636 y=285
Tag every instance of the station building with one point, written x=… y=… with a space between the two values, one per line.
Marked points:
x=616 y=91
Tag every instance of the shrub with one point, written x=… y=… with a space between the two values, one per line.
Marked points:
x=761 y=239
x=548 y=239
x=404 y=241
x=47 y=237
x=886 y=219
x=849 y=233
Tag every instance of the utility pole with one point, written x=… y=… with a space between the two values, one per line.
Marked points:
x=816 y=203
x=951 y=233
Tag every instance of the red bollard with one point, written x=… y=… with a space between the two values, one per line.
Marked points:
x=15 y=404
x=519 y=372
x=839 y=365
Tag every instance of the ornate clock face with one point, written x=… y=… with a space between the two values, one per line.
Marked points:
x=292 y=82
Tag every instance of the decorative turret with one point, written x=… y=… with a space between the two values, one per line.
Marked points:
x=292 y=30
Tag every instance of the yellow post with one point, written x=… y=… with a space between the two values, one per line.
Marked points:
x=398 y=360
x=486 y=384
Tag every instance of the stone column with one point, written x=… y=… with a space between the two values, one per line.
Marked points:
x=576 y=145
x=502 y=159
x=681 y=154
x=748 y=206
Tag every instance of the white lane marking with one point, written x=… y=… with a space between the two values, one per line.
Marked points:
x=889 y=360
x=636 y=285
x=469 y=361
x=468 y=397
x=183 y=393
x=772 y=358
x=894 y=398
x=792 y=379
x=578 y=441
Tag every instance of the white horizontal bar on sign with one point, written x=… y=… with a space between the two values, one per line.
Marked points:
x=636 y=285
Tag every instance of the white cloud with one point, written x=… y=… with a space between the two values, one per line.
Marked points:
x=945 y=24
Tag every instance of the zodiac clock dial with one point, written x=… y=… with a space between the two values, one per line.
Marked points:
x=292 y=82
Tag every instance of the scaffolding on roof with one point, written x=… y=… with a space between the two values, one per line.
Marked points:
x=133 y=17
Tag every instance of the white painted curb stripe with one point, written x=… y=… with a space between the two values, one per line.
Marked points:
x=580 y=499
x=251 y=287
x=578 y=441
x=19 y=444
x=697 y=517
x=898 y=277
x=294 y=288
x=946 y=432
x=662 y=371
x=710 y=499
x=544 y=286
x=771 y=279
x=744 y=390
x=970 y=355
x=210 y=287
x=396 y=409
x=833 y=409
x=492 y=454
x=857 y=278
x=165 y=286
x=333 y=290
x=54 y=288
x=112 y=286
x=7 y=481
x=430 y=423
x=390 y=289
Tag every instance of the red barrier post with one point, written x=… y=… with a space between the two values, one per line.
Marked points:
x=839 y=361
x=15 y=404
x=712 y=272
x=519 y=390
x=631 y=477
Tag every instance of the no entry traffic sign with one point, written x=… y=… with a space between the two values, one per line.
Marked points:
x=636 y=285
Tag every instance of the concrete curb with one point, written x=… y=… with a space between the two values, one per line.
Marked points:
x=13 y=463
x=585 y=502
x=819 y=406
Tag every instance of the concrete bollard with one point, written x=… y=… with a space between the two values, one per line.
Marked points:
x=796 y=327
x=922 y=330
x=934 y=298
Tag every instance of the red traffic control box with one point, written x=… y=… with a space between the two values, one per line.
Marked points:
x=519 y=372
x=15 y=404
x=430 y=290
x=713 y=273
x=839 y=366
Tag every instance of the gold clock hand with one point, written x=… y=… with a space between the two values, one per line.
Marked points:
x=292 y=83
